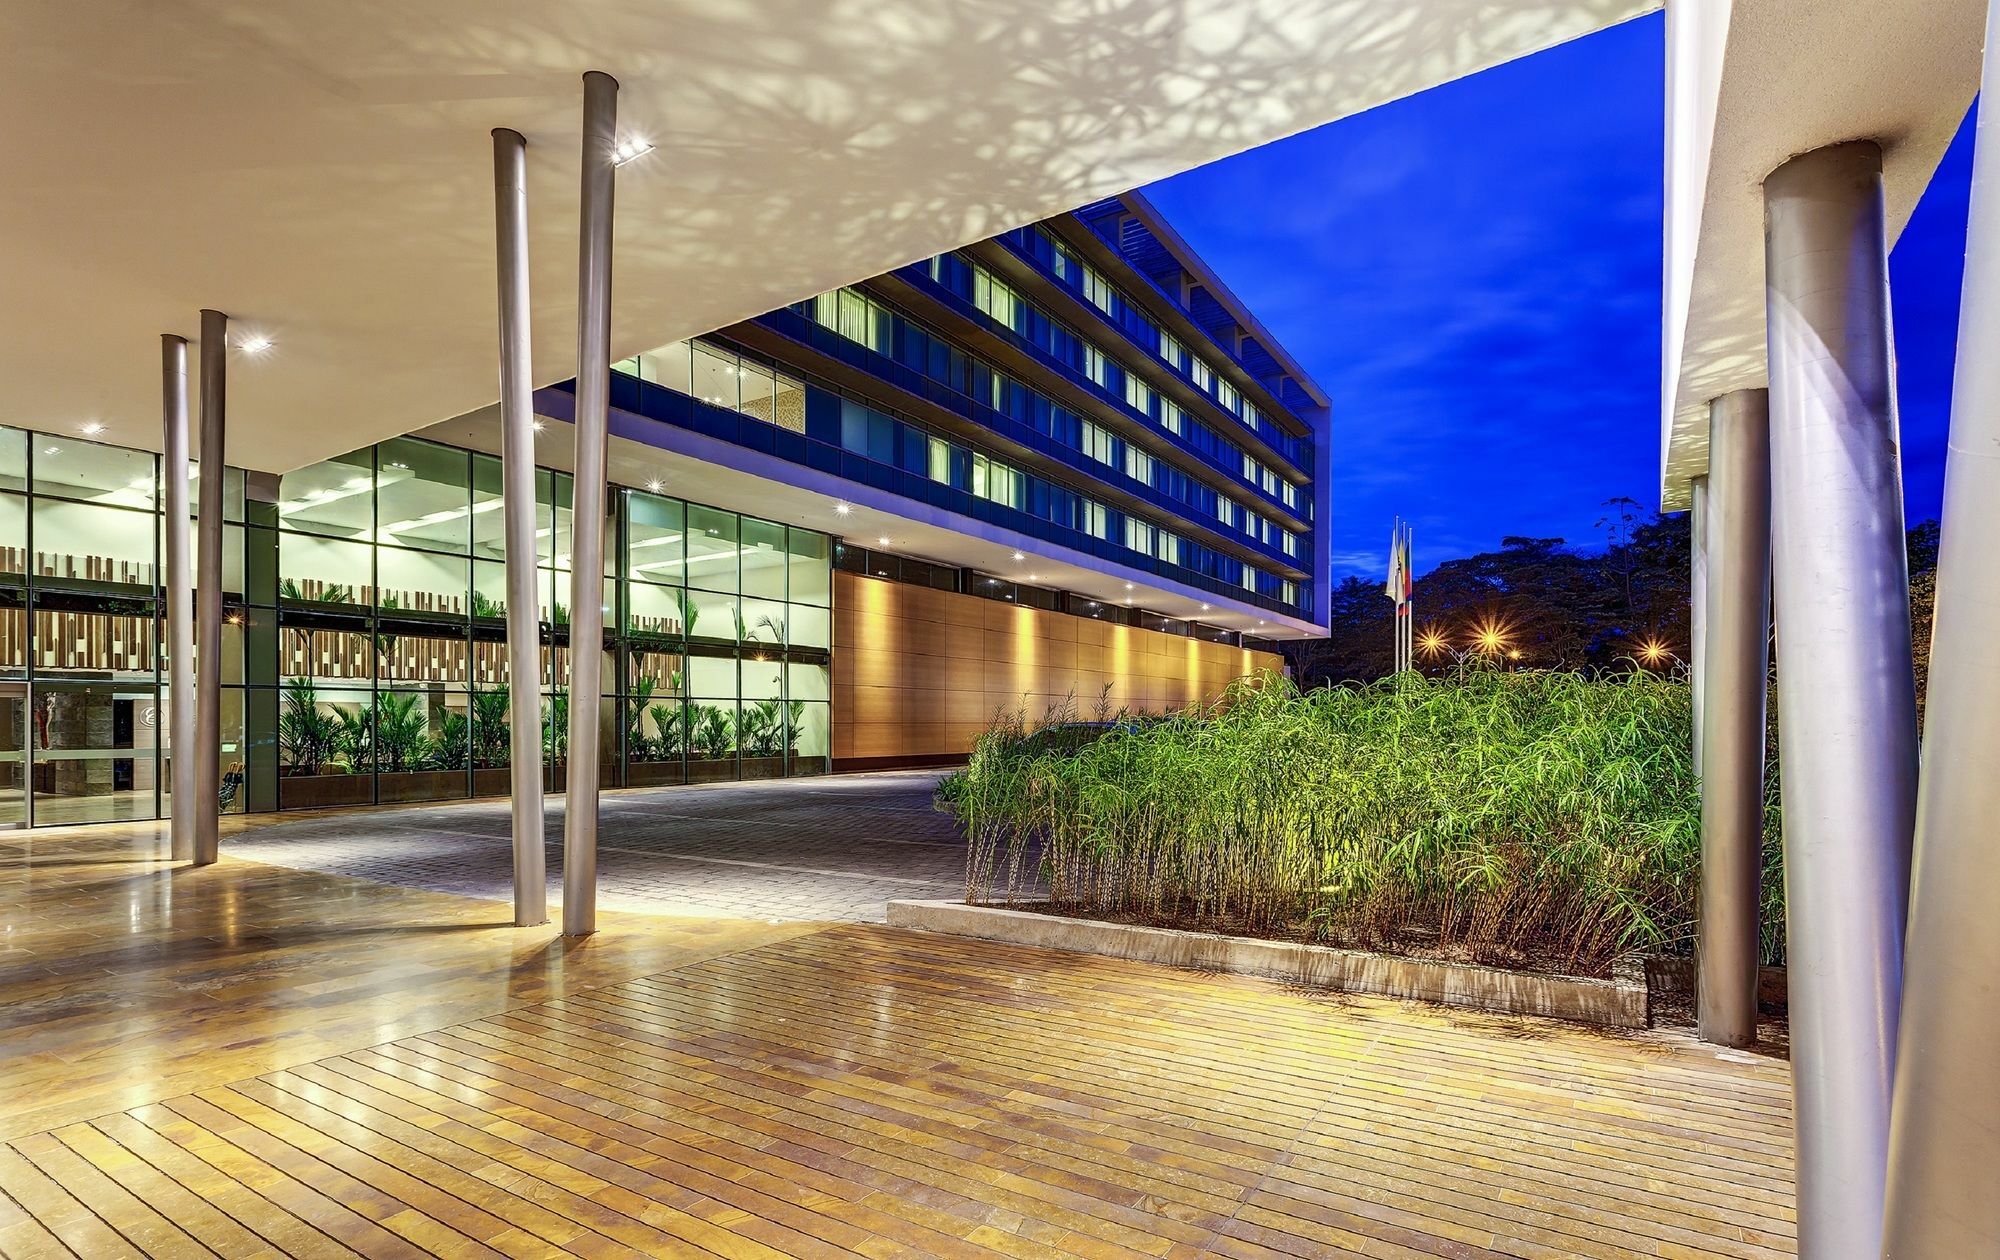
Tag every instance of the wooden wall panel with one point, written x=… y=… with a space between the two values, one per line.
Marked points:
x=919 y=673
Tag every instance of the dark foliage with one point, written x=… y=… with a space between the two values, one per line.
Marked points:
x=1559 y=606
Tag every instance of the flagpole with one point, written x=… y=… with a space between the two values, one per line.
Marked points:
x=1410 y=597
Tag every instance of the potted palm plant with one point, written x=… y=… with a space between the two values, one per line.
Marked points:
x=407 y=751
x=760 y=738
x=711 y=744
x=323 y=751
x=488 y=707
x=653 y=736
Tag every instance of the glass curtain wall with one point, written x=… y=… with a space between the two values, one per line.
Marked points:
x=392 y=577
x=82 y=637
x=364 y=639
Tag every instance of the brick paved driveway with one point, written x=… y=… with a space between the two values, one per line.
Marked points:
x=827 y=849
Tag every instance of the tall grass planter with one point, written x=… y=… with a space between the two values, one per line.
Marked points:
x=1514 y=818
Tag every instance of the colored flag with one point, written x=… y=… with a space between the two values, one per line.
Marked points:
x=1398 y=584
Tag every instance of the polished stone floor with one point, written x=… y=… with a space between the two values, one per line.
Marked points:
x=825 y=849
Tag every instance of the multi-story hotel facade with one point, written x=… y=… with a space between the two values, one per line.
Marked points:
x=1062 y=471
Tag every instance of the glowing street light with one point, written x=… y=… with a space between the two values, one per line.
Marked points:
x=1491 y=637
x=1652 y=652
x=1430 y=643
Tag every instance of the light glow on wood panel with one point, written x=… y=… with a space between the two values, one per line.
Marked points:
x=933 y=667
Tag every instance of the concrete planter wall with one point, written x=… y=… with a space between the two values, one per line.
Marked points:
x=492 y=781
x=1619 y=1002
x=318 y=791
x=1675 y=977
x=395 y=786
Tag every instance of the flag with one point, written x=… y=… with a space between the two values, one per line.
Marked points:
x=1397 y=587
x=1408 y=568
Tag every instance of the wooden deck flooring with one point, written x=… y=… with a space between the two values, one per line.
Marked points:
x=870 y=1092
x=124 y=979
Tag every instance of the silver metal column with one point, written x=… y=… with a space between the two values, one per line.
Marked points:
x=517 y=477
x=586 y=531
x=1846 y=700
x=207 y=787
x=1697 y=602
x=1944 y=1147
x=183 y=738
x=1735 y=664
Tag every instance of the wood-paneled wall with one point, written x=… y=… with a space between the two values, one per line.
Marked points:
x=918 y=673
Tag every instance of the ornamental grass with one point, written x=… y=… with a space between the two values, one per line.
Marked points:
x=1542 y=818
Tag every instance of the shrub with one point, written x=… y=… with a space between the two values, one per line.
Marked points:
x=1504 y=816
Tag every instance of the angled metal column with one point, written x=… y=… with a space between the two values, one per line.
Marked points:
x=1697 y=602
x=586 y=528
x=207 y=787
x=517 y=483
x=1944 y=1147
x=1734 y=665
x=182 y=736
x=1846 y=698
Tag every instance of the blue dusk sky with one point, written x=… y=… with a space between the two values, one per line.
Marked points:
x=1473 y=275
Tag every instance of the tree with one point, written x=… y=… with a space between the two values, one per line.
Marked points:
x=1558 y=606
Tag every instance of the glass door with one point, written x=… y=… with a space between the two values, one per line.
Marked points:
x=13 y=756
x=95 y=752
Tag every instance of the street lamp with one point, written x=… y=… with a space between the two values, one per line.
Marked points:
x=1490 y=637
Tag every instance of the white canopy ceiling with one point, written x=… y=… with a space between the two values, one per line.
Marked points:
x=322 y=172
x=1751 y=84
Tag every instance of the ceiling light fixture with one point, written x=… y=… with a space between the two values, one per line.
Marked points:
x=93 y=428
x=841 y=509
x=630 y=149
x=881 y=542
x=1019 y=556
x=539 y=426
x=653 y=486
x=253 y=343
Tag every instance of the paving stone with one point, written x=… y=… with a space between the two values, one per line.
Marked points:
x=835 y=848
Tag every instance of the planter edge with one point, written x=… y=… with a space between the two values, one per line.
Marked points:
x=1620 y=1002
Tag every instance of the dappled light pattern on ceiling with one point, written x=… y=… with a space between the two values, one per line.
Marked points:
x=323 y=173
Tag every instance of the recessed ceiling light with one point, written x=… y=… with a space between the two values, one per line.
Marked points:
x=630 y=149
x=1128 y=586
x=881 y=542
x=1034 y=577
x=92 y=429
x=253 y=343
x=654 y=485
x=1019 y=556
x=1204 y=607
x=539 y=426
x=841 y=509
